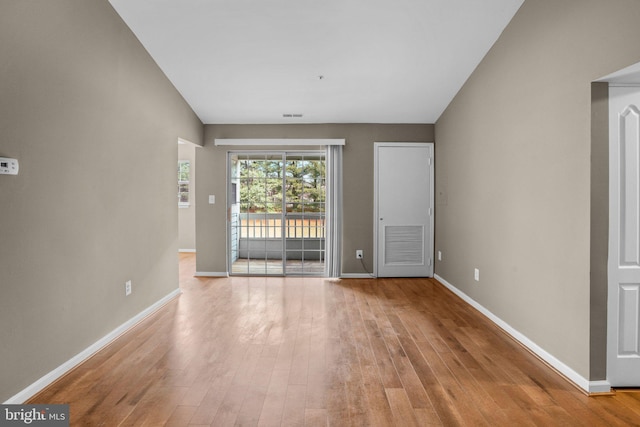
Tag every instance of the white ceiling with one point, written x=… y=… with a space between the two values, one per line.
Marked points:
x=381 y=61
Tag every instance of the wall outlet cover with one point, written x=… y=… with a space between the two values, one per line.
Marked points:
x=9 y=166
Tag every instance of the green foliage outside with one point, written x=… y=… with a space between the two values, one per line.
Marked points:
x=184 y=170
x=261 y=184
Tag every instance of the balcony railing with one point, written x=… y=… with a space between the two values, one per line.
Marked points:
x=270 y=236
x=270 y=226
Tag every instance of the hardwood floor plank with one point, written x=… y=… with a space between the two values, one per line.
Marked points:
x=388 y=374
x=273 y=405
x=155 y=408
x=427 y=417
x=181 y=416
x=308 y=351
x=316 y=390
x=294 y=405
x=478 y=396
x=249 y=413
x=315 y=417
x=241 y=387
x=630 y=399
x=337 y=405
x=301 y=353
x=401 y=407
x=410 y=380
x=212 y=400
x=379 y=411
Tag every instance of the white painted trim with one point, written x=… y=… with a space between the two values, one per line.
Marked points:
x=58 y=372
x=356 y=276
x=211 y=274
x=277 y=141
x=190 y=251
x=402 y=144
x=182 y=141
x=624 y=84
x=565 y=370
x=602 y=386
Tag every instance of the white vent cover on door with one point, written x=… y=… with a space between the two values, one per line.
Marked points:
x=403 y=245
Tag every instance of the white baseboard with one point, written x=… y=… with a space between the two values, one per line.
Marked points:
x=599 y=386
x=190 y=251
x=211 y=274
x=356 y=276
x=58 y=372
x=570 y=374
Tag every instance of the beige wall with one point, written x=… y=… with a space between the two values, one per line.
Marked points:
x=187 y=215
x=358 y=183
x=94 y=124
x=513 y=177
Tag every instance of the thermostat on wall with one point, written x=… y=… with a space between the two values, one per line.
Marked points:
x=8 y=166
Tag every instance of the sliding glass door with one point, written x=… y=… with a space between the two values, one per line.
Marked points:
x=277 y=217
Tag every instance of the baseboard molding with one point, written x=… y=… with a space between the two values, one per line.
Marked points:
x=598 y=387
x=211 y=274
x=58 y=372
x=189 y=251
x=566 y=371
x=356 y=276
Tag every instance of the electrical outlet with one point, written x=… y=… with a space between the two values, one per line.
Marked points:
x=439 y=256
x=127 y=288
x=359 y=254
x=8 y=166
x=476 y=275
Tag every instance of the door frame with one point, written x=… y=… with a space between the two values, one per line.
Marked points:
x=283 y=214
x=376 y=215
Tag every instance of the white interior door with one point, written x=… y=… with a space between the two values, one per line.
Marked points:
x=623 y=329
x=404 y=209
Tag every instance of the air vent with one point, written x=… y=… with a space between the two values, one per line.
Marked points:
x=403 y=245
x=292 y=115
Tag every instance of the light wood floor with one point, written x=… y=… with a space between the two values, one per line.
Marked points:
x=307 y=351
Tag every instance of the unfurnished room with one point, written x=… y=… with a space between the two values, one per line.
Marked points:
x=336 y=213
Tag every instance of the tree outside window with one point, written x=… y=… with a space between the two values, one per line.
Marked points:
x=184 y=171
x=261 y=185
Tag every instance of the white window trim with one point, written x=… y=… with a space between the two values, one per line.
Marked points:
x=277 y=141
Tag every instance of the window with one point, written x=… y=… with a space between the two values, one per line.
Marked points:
x=277 y=217
x=184 y=171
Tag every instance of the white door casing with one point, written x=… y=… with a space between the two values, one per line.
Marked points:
x=623 y=307
x=285 y=236
x=404 y=211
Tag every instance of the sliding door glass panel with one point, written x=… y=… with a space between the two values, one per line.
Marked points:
x=256 y=245
x=277 y=213
x=305 y=216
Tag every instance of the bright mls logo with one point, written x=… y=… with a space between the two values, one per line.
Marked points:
x=34 y=415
